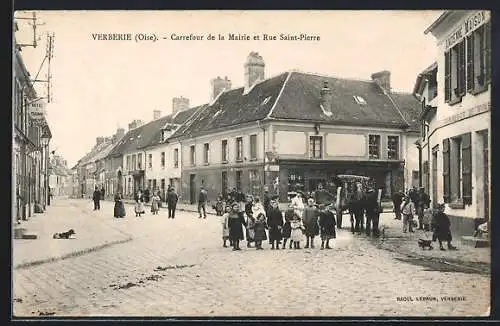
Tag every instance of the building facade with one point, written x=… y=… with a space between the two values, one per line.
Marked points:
x=459 y=132
x=31 y=136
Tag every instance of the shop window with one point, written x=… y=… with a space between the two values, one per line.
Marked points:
x=296 y=181
x=393 y=147
x=374 y=146
x=239 y=149
x=316 y=147
x=224 y=151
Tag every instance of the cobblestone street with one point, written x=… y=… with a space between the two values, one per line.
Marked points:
x=179 y=268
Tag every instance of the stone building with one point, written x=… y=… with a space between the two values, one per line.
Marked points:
x=294 y=131
x=458 y=120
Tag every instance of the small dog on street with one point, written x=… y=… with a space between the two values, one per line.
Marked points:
x=422 y=243
x=64 y=235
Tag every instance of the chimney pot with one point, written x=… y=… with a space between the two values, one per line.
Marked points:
x=383 y=79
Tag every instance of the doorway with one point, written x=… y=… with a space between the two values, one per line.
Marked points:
x=192 y=188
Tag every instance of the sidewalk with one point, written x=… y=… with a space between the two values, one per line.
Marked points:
x=406 y=244
x=93 y=232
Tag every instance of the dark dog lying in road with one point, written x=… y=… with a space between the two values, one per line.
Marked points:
x=64 y=235
x=425 y=244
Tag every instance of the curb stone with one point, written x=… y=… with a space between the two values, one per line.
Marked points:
x=72 y=254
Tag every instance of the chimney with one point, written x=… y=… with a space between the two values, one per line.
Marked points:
x=120 y=132
x=383 y=79
x=99 y=141
x=219 y=85
x=254 y=69
x=156 y=114
x=134 y=124
x=179 y=104
x=326 y=98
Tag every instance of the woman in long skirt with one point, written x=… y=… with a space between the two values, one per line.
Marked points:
x=275 y=224
x=155 y=201
x=235 y=224
x=119 y=209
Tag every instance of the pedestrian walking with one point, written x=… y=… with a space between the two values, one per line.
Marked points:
x=225 y=227
x=172 y=199
x=235 y=224
x=275 y=224
x=155 y=202
x=119 y=209
x=441 y=226
x=397 y=200
x=260 y=230
x=287 y=228
x=326 y=222
x=297 y=232
x=96 y=197
x=408 y=211
x=202 y=202
x=310 y=219
x=423 y=202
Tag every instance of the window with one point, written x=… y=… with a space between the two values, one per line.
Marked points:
x=478 y=59
x=134 y=162
x=206 y=152
x=253 y=147
x=150 y=184
x=139 y=161
x=457 y=171
x=176 y=158
x=154 y=184
x=150 y=161
x=224 y=151
x=128 y=163
x=374 y=146
x=359 y=100
x=192 y=155
x=454 y=71
x=393 y=147
x=239 y=149
x=162 y=162
x=315 y=147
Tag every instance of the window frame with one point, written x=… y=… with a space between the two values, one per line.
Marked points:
x=162 y=160
x=192 y=155
x=398 y=151
x=224 y=151
x=253 y=147
x=176 y=157
x=312 y=147
x=379 y=146
x=239 y=148
x=206 y=153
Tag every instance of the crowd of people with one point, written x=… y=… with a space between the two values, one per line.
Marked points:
x=416 y=202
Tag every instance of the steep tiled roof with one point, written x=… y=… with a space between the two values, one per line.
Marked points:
x=90 y=157
x=410 y=107
x=234 y=107
x=105 y=151
x=300 y=100
x=174 y=119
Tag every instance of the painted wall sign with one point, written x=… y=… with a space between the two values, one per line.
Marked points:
x=465 y=114
x=37 y=110
x=466 y=27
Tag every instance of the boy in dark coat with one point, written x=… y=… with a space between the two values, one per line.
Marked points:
x=326 y=223
x=310 y=218
x=275 y=224
x=235 y=224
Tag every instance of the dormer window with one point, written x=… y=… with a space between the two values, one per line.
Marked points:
x=266 y=100
x=359 y=100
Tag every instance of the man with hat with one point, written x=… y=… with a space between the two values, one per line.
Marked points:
x=310 y=217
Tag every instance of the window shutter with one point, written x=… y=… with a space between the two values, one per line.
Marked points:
x=470 y=62
x=447 y=76
x=466 y=169
x=461 y=68
x=446 y=170
x=487 y=52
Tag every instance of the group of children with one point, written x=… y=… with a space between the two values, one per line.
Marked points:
x=261 y=225
x=139 y=203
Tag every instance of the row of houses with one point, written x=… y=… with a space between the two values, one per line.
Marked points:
x=31 y=137
x=288 y=132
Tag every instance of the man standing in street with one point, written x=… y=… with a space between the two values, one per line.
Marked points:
x=172 y=199
x=372 y=207
x=103 y=193
x=96 y=197
x=397 y=200
x=202 y=202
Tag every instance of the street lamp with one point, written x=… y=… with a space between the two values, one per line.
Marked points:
x=44 y=141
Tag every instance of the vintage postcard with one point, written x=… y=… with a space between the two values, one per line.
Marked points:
x=251 y=163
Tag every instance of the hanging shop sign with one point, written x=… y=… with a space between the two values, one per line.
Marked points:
x=37 y=109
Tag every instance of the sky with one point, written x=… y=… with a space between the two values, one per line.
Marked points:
x=98 y=86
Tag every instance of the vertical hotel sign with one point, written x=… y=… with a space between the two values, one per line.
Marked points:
x=37 y=110
x=470 y=24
